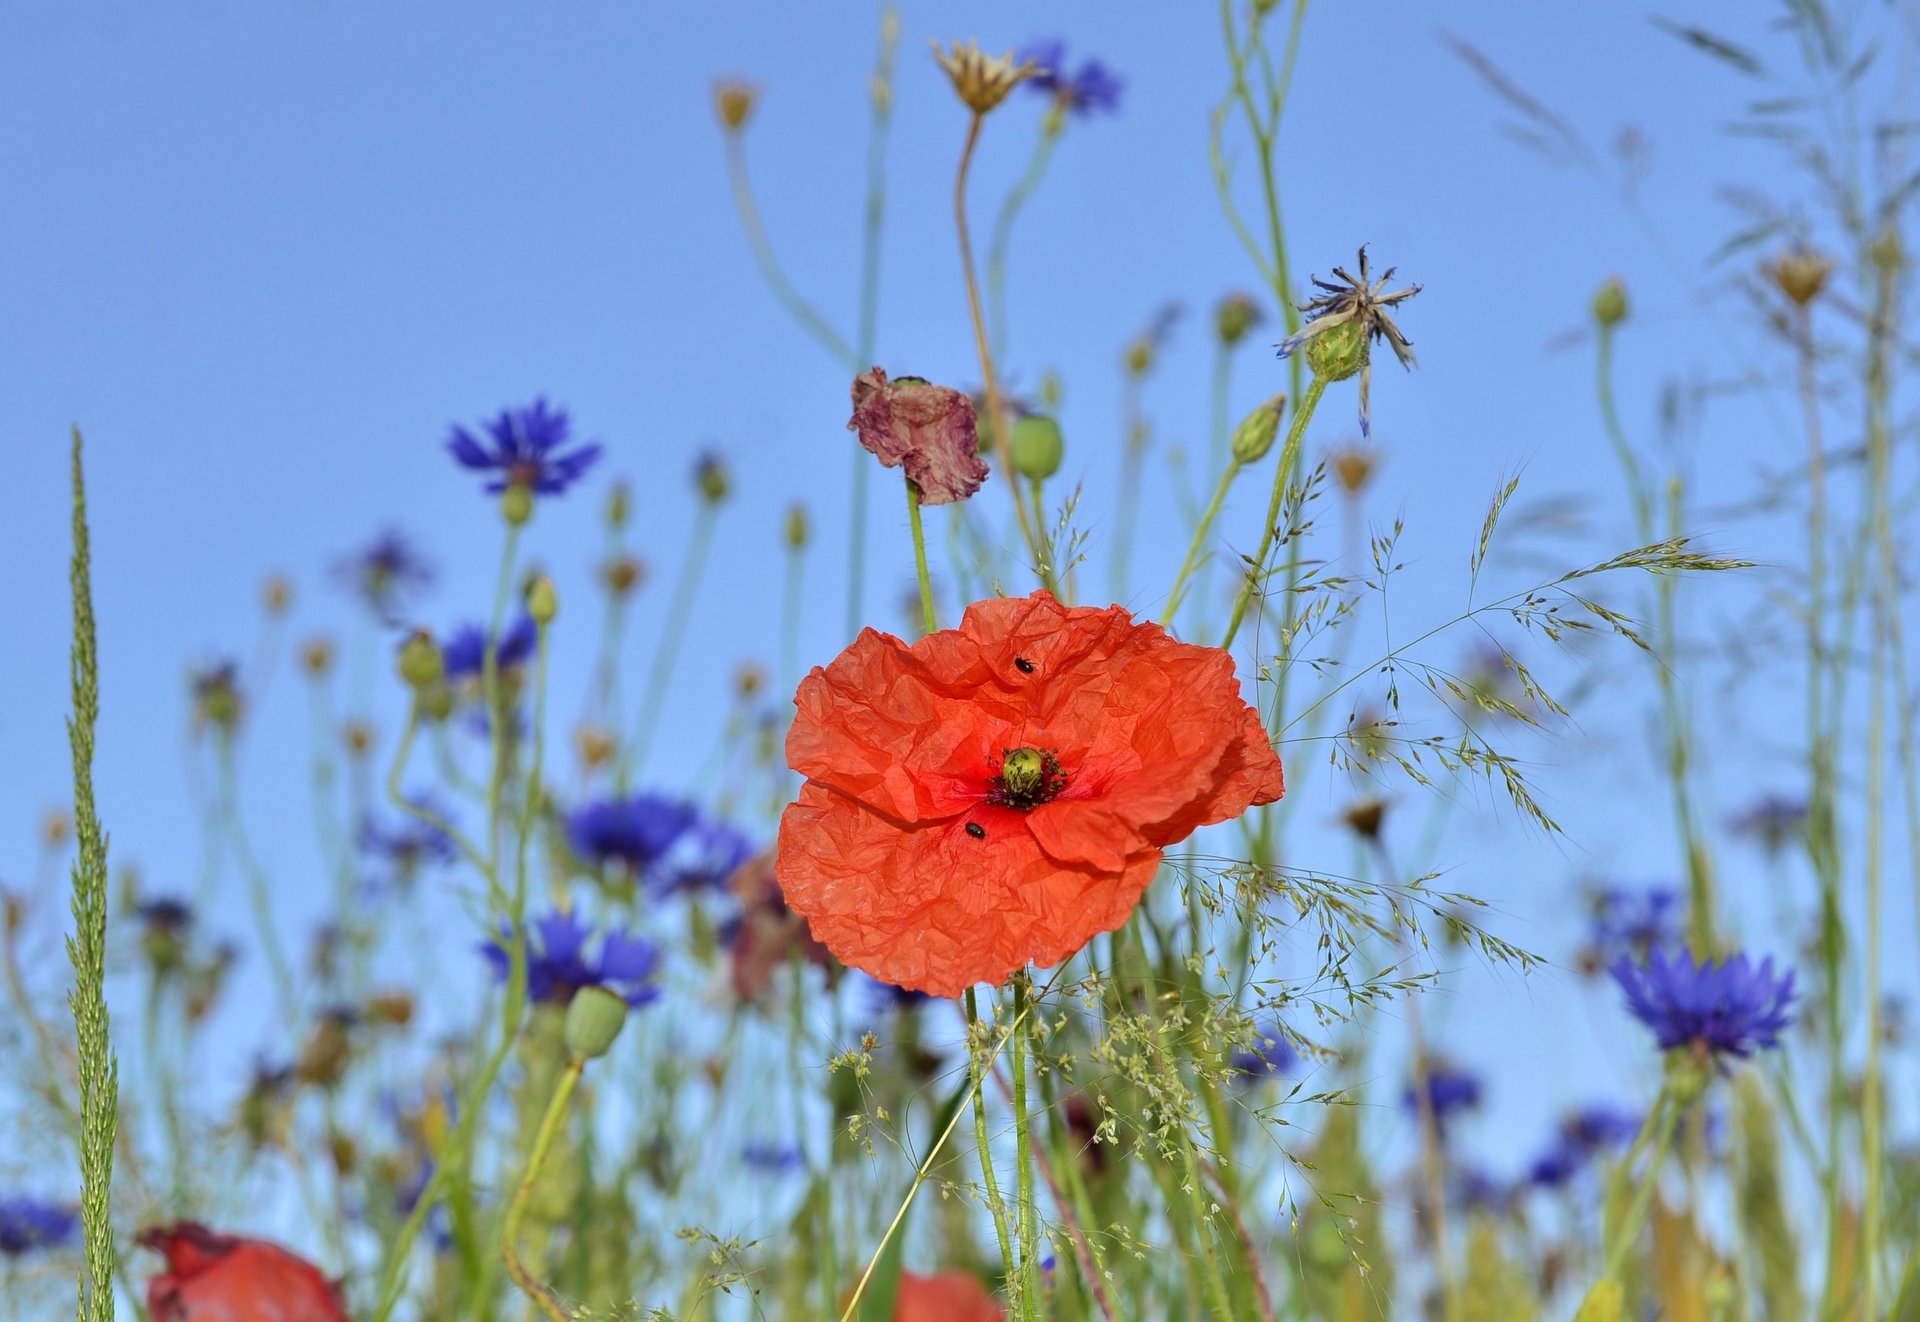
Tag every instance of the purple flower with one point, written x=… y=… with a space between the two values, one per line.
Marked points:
x=1774 y=821
x=29 y=1224
x=558 y=965
x=408 y=843
x=1449 y=1090
x=885 y=998
x=705 y=855
x=773 y=1158
x=1724 y=1009
x=636 y=832
x=1584 y=1134
x=386 y=574
x=525 y=447
x=1630 y=923
x=165 y=913
x=1093 y=88
x=1269 y=1053
x=465 y=650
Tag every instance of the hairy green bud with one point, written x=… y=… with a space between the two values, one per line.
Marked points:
x=799 y=529
x=1037 y=447
x=421 y=663
x=1610 y=304
x=543 y=603
x=516 y=504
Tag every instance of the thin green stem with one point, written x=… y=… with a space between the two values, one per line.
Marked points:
x=1664 y=1120
x=1282 y=475
x=672 y=633
x=1003 y=226
x=978 y=1068
x=810 y=318
x=256 y=880
x=927 y=615
x=1028 y=1296
x=543 y=1298
x=1197 y=547
x=875 y=215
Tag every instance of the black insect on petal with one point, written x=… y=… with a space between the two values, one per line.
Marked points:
x=977 y=831
x=1024 y=666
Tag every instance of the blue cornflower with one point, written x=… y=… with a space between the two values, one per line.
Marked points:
x=1584 y=1134
x=465 y=650
x=1449 y=1090
x=1630 y=923
x=557 y=963
x=1478 y=1189
x=1723 y=1009
x=1095 y=87
x=1774 y=820
x=1365 y=303
x=526 y=447
x=636 y=832
x=386 y=573
x=1269 y=1053
x=704 y=856
x=885 y=998
x=408 y=843
x=773 y=1158
x=28 y=1224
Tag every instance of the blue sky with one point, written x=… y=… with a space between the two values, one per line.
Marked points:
x=265 y=255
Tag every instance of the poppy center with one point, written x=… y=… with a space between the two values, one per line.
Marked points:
x=1028 y=777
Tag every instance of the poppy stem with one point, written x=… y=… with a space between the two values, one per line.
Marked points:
x=1029 y=1292
x=1289 y=458
x=927 y=616
x=978 y=1068
x=542 y=1297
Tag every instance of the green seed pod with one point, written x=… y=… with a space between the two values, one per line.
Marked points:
x=543 y=603
x=1254 y=436
x=1236 y=315
x=595 y=1017
x=710 y=475
x=1037 y=447
x=516 y=504
x=421 y=663
x=799 y=530
x=1610 y=304
x=1339 y=351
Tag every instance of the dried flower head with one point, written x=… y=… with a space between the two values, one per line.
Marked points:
x=982 y=80
x=276 y=594
x=316 y=656
x=1363 y=303
x=733 y=101
x=928 y=429
x=1353 y=467
x=1800 y=273
x=594 y=745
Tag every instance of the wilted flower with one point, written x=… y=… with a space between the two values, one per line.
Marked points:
x=1364 y=816
x=1360 y=302
x=211 y=1275
x=636 y=832
x=1716 y=1010
x=982 y=81
x=927 y=428
x=558 y=966
x=386 y=574
x=464 y=653
x=525 y=447
x=733 y=102
x=1092 y=88
x=29 y=1225
x=997 y=794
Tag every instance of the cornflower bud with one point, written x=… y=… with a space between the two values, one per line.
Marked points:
x=733 y=101
x=798 y=528
x=594 y=745
x=1338 y=352
x=1610 y=304
x=316 y=656
x=1800 y=274
x=619 y=503
x=623 y=573
x=1254 y=436
x=516 y=504
x=543 y=603
x=1236 y=315
x=358 y=736
x=421 y=662
x=277 y=594
x=710 y=475
x=1353 y=467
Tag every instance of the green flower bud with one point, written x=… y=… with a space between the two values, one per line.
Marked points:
x=1254 y=436
x=516 y=504
x=798 y=528
x=1236 y=315
x=1037 y=447
x=1689 y=1071
x=1610 y=304
x=711 y=477
x=1338 y=352
x=595 y=1017
x=619 y=502
x=543 y=603
x=421 y=664
x=436 y=701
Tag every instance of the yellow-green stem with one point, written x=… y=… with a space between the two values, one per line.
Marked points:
x=1196 y=548
x=927 y=615
x=1289 y=456
x=535 y=1289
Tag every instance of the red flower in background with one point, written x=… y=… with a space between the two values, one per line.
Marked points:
x=928 y=428
x=997 y=794
x=945 y=1297
x=212 y=1277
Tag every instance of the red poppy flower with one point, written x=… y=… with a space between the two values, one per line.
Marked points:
x=997 y=794
x=945 y=1297
x=931 y=429
x=212 y=1277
